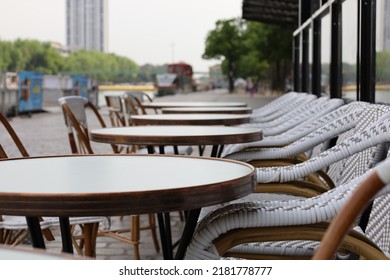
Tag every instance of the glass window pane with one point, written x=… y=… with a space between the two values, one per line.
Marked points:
x=325 y=53
x=349 y=47
x=310 y=57
x=382 y=90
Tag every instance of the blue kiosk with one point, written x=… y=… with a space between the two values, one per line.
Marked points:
x=80 y=86
x=30 y=91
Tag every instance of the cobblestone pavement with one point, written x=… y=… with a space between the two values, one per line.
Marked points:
x=45 y=134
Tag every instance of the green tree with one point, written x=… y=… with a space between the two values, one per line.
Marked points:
x=6 y=53
x=269 y=52
x=101 y=66
x=382 y=67
x=251 y=50
x=225 y=42
x=33 y=55
x=30 y=55
x=253 y=63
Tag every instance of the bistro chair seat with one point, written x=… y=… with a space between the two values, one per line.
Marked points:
x=272 y=229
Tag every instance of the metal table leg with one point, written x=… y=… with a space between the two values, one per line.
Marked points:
x=164 y=225
x=188 y=232
x=66 y=236
x=36 y=232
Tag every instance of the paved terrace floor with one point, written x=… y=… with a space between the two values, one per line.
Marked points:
x=45 y=134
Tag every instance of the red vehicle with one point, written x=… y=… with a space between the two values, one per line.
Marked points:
x=184 y=80
x=178 y=78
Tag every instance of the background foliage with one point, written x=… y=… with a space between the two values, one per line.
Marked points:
x=251 y=50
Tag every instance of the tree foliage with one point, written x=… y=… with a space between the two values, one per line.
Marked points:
x=30 y=55
x=251 y=50
x=33 y=55
x=101 y=66
x=382 y=67
x=272 y=47
x=225 y=42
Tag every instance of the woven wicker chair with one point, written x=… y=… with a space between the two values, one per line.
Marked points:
x=14 y=230
x=287 y=225
x=275 y=105
x=115 y=109
x=293 y=134
x=305 y=144
x=309 y=112
x=132 y=101
x=298 y=109
x=122 y=105
x=375 y=185
x=281 y=106
x=133 y=106
x=138 y=97
x=76 y=121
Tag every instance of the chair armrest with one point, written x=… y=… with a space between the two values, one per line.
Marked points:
x=355 y=242
x=358 y=201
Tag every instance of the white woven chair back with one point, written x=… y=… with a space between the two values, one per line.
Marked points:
x=77 y=106
x=314 y=139
x=279 y=108
x=358 y=164
x=305 y=114
x=351 y=157
x=300 y=107
x=293 y=134
x=310 y=136
x=276 y=104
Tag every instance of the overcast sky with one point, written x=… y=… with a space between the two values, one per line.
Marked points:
x=147 y=31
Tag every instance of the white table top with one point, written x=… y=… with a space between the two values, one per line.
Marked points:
x=176 y=135
x=207 y=110
x=18 y=253
x=191 y=119
x=159 y=105
x=114 y=184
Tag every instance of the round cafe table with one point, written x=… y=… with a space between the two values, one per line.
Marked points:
x=217 y=136
x=161 y=105
x=162 y=136
x=208 y=110
x=190 y=119
x=112 y=185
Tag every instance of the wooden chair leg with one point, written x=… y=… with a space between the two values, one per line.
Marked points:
x=77 y=241
x=19 y=237
x=7 y=236
x=90 y=235
x=47 y=232
x=135 y=235
x=153 y=228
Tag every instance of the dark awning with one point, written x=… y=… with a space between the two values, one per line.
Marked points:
x=281 y=12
